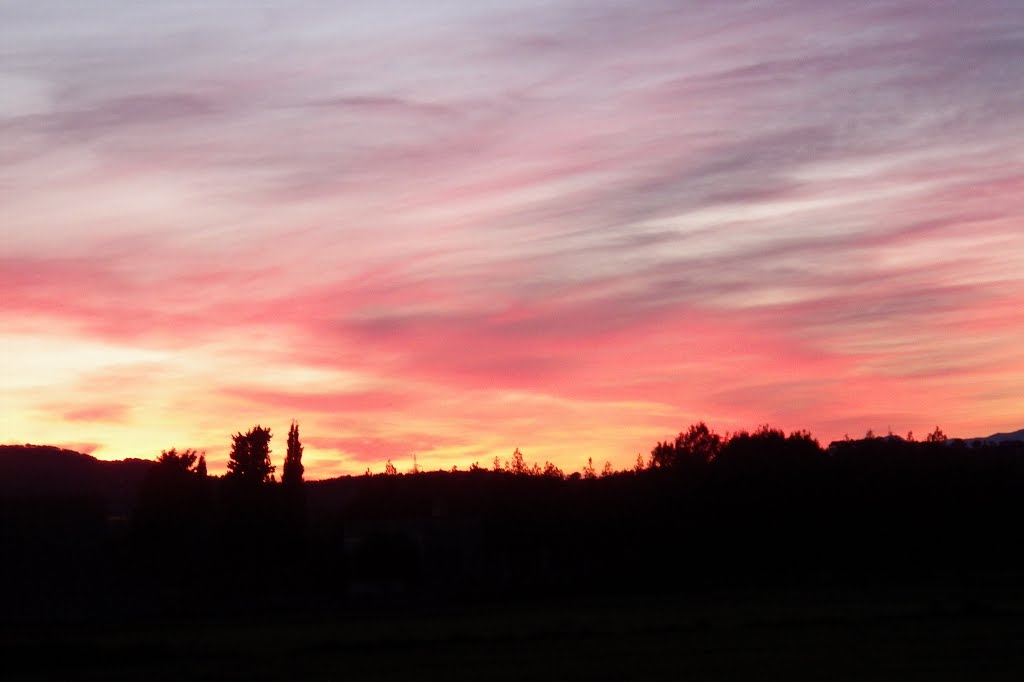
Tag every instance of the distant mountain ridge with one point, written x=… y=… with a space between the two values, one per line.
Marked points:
x=46 y=471
x=1000 y=437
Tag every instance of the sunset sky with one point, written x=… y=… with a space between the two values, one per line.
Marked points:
x=457 y=228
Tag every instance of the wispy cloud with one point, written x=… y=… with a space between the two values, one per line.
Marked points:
x=386 y=220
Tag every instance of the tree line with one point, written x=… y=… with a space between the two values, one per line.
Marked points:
x=249 y=462
x=701 y=510
x=697 y=446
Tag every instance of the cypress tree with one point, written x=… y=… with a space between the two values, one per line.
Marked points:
x=293 y=469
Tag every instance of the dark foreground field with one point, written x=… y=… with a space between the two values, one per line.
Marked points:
x=880 y=559
x=905 y=635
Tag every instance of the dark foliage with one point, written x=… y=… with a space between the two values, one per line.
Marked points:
x=291 y=475
x=692 y=449
x=173 y=518
x=249 y=461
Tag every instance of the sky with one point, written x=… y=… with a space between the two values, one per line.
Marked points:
x=452 y=229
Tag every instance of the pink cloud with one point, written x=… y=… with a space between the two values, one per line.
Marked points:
x=375 y=451
x=96 y=413
x=327 y=402
x=541 y=221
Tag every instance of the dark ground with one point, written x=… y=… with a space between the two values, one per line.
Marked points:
x=878 y=559
x=880 y=635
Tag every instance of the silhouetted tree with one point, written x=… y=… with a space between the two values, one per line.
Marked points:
x=292 y=511
x=291 y=475
x=588 y=470
x=639 y=466
x=251 y=514
x=389 y=469
x=249 y=460
x=551 y=471
x=696 y=446
x=936 y=436
x=180 y=461
x=698 y=443
x=201 y=467
x=803 y=438
x=607 y=470
x=768 y=450
x=663 y=455
x=174 y=503
x=518 y=465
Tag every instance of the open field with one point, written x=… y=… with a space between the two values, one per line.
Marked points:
x=721 y=637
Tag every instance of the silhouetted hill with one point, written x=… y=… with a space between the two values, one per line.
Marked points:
x=45 y=471
x=1000 y=437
